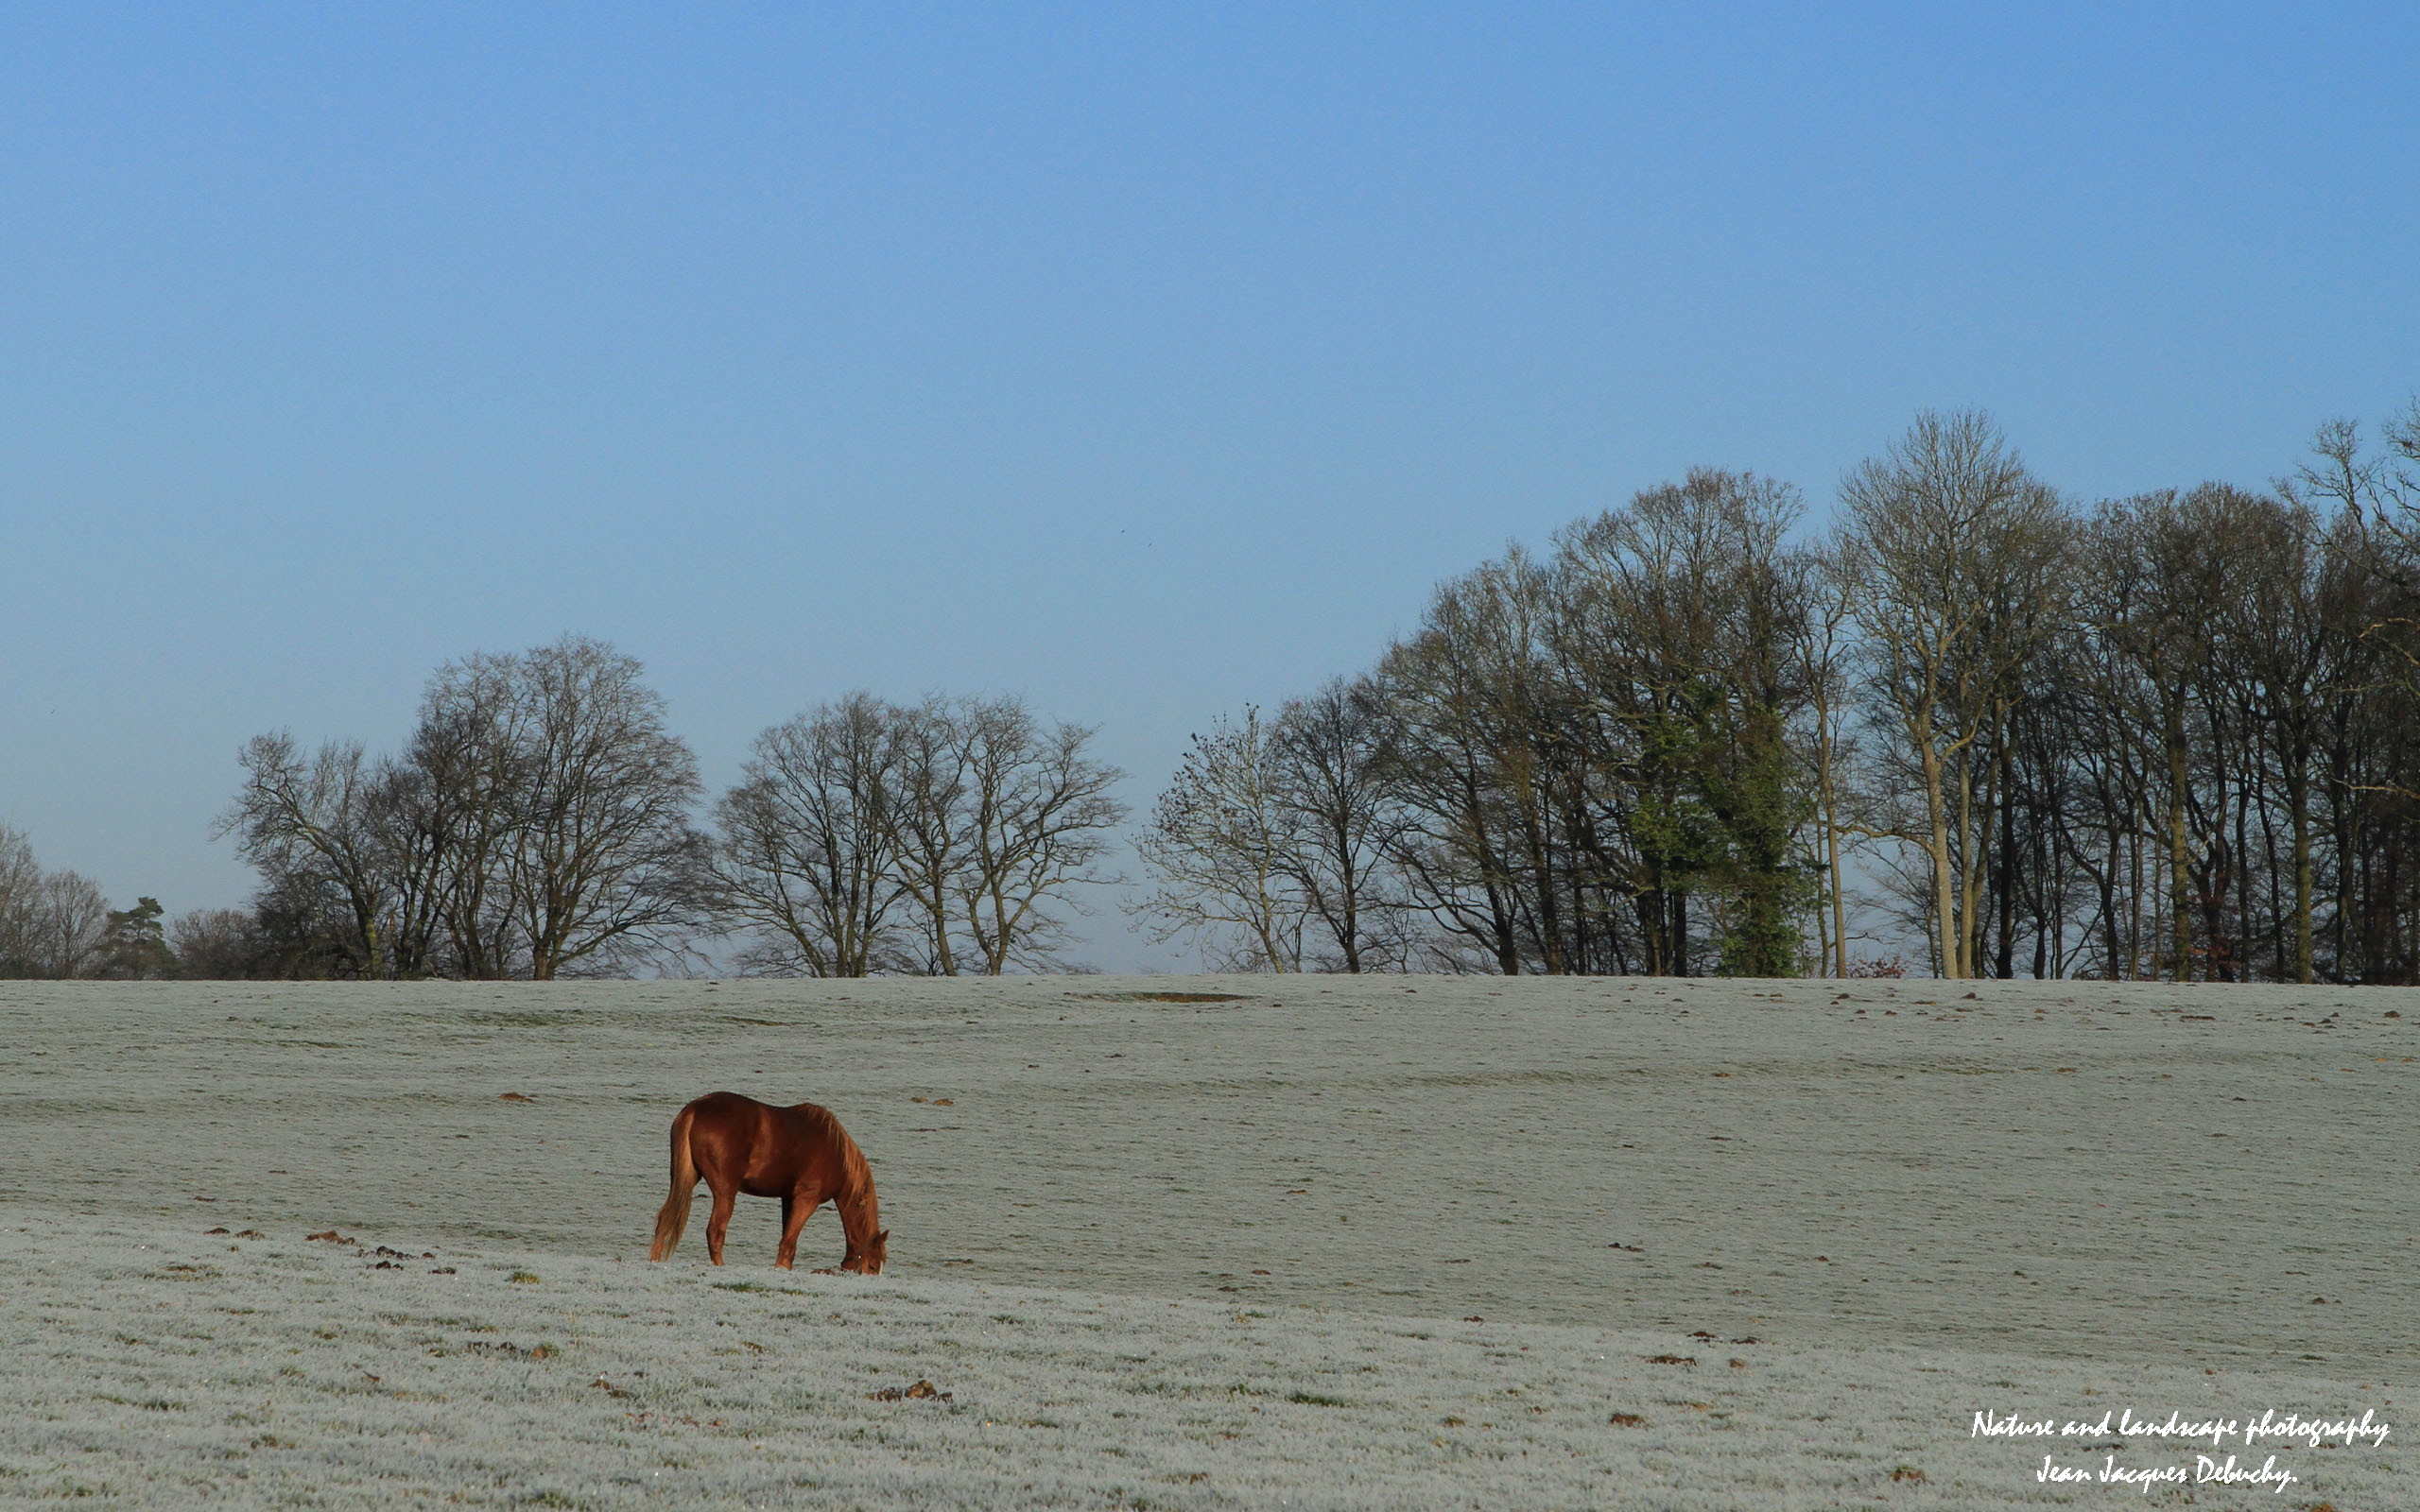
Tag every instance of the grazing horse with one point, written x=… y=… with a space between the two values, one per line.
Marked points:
x=800 y=1155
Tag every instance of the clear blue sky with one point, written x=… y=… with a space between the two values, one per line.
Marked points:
x=1144 y=360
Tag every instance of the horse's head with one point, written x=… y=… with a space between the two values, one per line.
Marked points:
x=868 y=1261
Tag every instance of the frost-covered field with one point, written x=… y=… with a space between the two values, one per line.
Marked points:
x=1321 y=1242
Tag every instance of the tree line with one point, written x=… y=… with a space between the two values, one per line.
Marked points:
x=1972 y=728
x=540 y=822
x=2171 y=736
x=58 y=925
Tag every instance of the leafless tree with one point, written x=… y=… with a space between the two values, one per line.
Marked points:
x=453 y=806
x=808 y=852
x=1826 y=669
x=21 y=901
x=1221 y=849
x=1039 y=814
x=537 y=824
x=941 y=838
x=1954 y=548
x=71 y=925
x=605 y=866
x=2377 y=498
x=302 y=823
x=1330 y=762
x=1270 y=847
x=2156 y=596
x=932 y=839
x=53 y=924
x=217 y=944
x=1483 y=849
x=2275 y=619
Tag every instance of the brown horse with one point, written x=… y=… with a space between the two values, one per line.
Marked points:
x=800 y=1155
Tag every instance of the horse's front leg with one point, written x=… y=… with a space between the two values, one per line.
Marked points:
x=794 y=1216
x=718 y=1221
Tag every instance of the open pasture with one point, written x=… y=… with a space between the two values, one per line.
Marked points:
x=1209 y=1253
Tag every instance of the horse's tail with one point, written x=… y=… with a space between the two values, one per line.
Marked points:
x=673 y=1219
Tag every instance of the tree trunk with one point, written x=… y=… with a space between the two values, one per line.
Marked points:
x=2298 y=805
x=2180 y=881
x=1947 y=933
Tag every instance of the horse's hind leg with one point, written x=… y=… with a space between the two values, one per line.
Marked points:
x=794 y=1216
x=718 y=1220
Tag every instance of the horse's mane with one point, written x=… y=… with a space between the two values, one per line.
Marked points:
x=857 y=1176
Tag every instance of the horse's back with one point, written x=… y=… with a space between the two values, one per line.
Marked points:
x=766 y=1150
x=722 y=1107
x=812 y=1119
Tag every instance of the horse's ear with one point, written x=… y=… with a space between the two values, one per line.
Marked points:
x=883 y=1237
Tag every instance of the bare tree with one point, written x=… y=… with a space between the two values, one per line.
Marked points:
x=941 y=838
x=20 y=902
x=1221 y=850
x=1825 y=658
x=1270 y=847
x=2274 y=618
x=69 y=927
x=809 y=849
x=1483 y=849
x=216 y=944
x=1954 y=547
x=1038 y=813
x=537 y=824
x=453 y=807
x=2155 y=598
x=2377 y=498
x=53 y=924
x=932 y=836
x=1330 y=757
x=304 y=824
x=605 y=866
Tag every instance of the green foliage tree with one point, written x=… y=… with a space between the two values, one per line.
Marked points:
x=135 y=945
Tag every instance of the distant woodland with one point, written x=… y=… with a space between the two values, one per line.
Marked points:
x=1971 y=729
